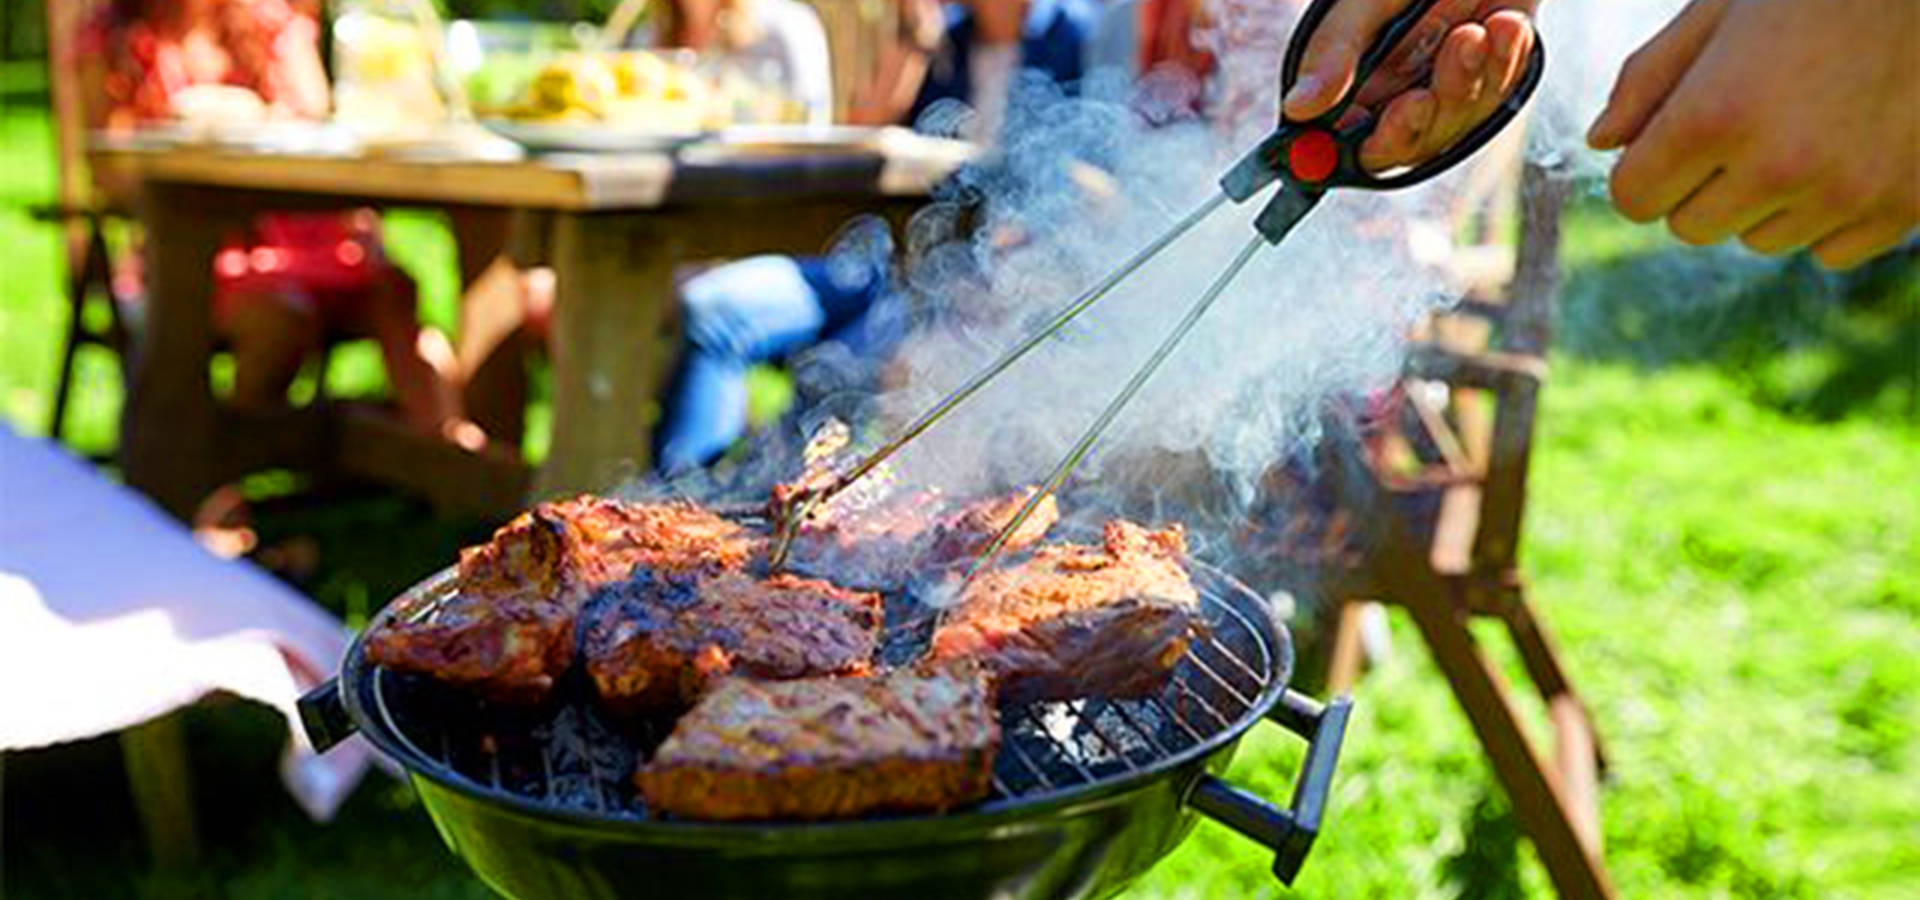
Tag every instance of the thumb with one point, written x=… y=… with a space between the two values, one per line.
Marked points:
x=1650 y=74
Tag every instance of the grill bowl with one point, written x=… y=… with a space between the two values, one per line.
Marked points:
x=1087 y=795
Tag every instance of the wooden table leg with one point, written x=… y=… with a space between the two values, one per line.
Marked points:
x=156 y=760
x=167 y=427
x=611 y=348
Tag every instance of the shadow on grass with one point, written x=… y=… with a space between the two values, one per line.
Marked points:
x=1487 y=867
x=1802 y=340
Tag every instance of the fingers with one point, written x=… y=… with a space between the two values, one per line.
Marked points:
x=1651 y=74
x=1858 y=243
x=1459 y=73
x=1725 y=206
x=1326 y=70
x=1791 y=229
x=1675 y=156
x=1400 y=137
x=1477 y=66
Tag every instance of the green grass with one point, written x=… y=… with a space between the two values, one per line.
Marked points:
x=1724 y=533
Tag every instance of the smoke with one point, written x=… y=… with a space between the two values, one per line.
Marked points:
x=1587 y=42
x=1318 y=323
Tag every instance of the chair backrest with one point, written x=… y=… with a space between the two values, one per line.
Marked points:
x=1522 y=344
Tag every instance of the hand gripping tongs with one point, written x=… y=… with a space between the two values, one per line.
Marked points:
x=1307 y=158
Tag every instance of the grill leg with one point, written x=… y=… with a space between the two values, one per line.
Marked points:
x=1549 y=809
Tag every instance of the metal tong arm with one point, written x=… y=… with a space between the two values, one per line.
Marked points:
x=789 y=513
x=1119 y=402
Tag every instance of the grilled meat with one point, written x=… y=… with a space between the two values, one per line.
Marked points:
x=964 y=534
x=509 y=645
x=915 y=740
x=655 y=641
x=888 y=545
x=589 y=541
x=1077 y=621
x=508 y=631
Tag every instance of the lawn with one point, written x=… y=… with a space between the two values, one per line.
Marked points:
x=1724 y=533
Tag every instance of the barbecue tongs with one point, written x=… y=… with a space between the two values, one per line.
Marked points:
x=1307 y=158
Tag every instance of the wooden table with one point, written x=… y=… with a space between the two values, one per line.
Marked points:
x=622 y=224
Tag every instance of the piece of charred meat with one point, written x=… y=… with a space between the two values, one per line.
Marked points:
x=508 y=645
x=590 y=541
x=916 y=740
x=964 y=534
x=1079 y=621
x=888 y=545
x=654 y=641
x=507 y=632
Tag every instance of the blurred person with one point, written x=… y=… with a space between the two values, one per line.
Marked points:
x=775 y=42
x=768 y=308
x=507 y=289
x=292 y=279
x=1791 y=124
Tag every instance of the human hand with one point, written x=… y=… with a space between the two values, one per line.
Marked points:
x=1450 y=75
x=1790 y=123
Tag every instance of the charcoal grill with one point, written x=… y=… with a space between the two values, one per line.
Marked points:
x=1087 y=795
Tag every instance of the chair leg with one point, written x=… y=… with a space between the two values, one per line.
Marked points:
x=1542 y=659
x=1345 y=662
x=63 y=385
x=1540 y=800
x=155 y=753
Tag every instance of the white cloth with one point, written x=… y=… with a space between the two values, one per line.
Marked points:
x=111 y=614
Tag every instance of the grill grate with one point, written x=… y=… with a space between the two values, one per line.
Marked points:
x=570 y=756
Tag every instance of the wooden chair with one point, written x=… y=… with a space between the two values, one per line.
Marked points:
x=79 y=214
x=1448 y=537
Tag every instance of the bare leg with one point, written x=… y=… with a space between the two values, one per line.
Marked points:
x=271 y=338
x=420 y=364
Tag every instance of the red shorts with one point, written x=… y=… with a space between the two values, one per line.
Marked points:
x=330 y=264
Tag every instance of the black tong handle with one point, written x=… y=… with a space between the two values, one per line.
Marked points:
x=1349 y=173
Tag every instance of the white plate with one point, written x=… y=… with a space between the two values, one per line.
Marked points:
x=587 y=137
x=801 y=138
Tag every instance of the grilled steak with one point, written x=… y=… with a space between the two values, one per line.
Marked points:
x=508 y=631
x=964 y=534
x=1079 y=621
x=915 y=740
x=510 y=645
x=886 y=546
x=653 y=642
x=589 y=541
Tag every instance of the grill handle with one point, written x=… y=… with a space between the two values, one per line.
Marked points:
x=1290 y=832
x=324 y=716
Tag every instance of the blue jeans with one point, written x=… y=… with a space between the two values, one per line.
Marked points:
x=752 y=311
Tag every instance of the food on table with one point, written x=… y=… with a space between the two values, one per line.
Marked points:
x=507 y=631
x=655 y=641
x=639 y=89
x=1078 y=621
x=383 y=67
x=916 y=740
